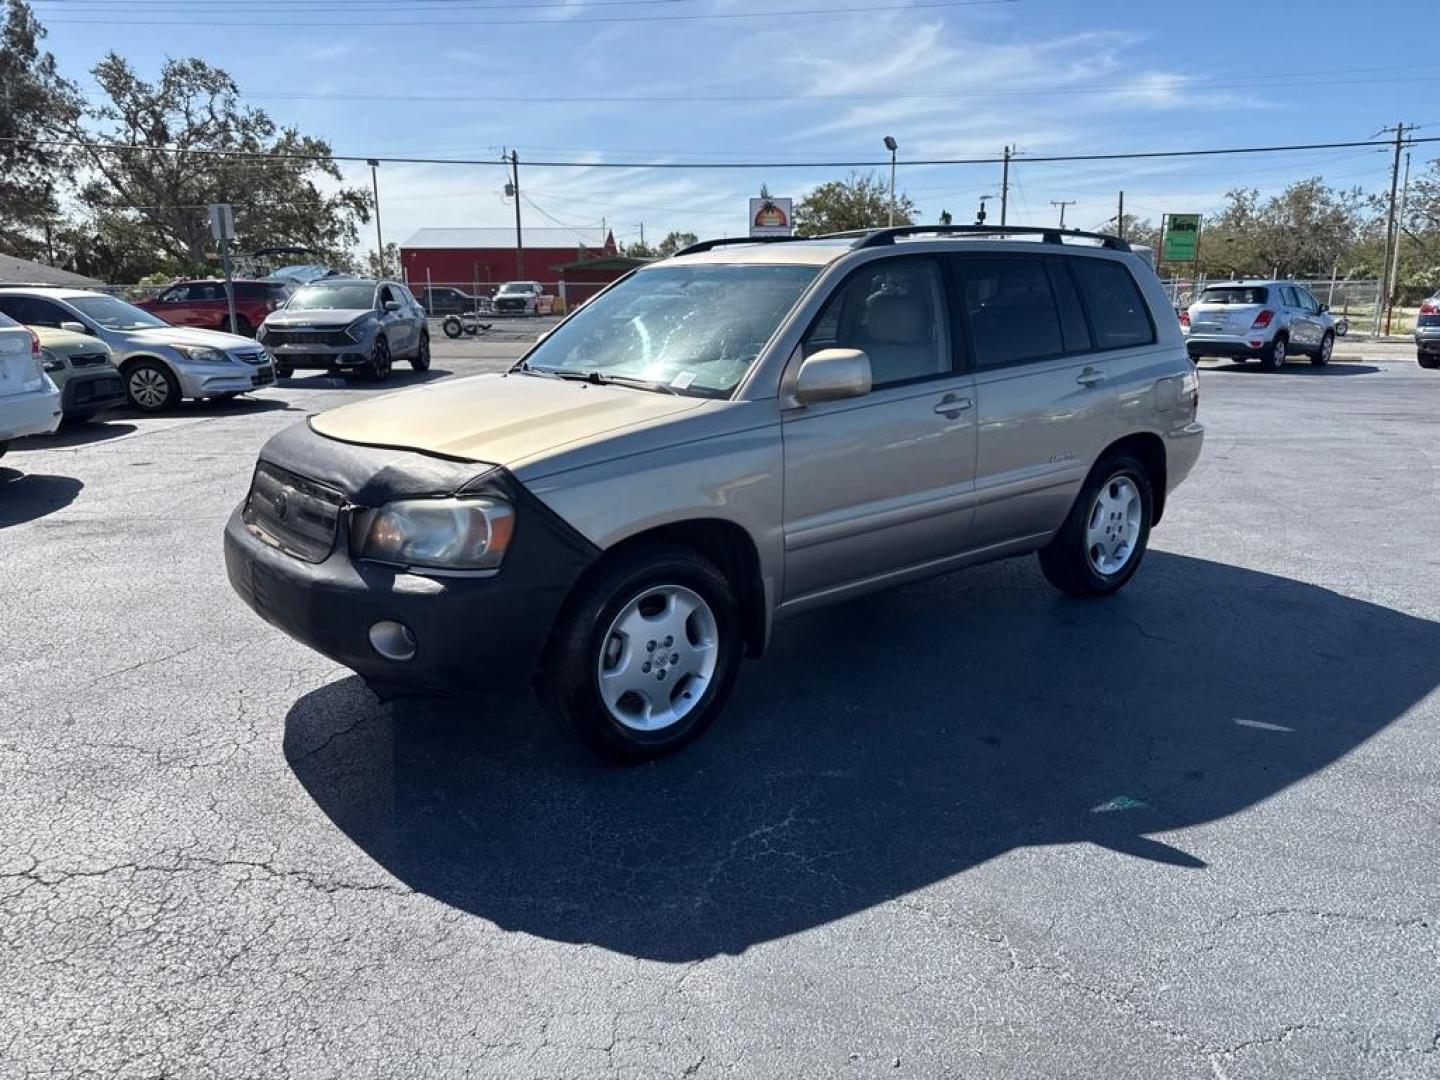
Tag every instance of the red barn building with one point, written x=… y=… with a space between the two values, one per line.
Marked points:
x=573 y=263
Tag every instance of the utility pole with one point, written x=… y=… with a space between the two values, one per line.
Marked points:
x=1120 y=222
x=379 y=237
x=892 y=146
x=514 y=190
x=1385 y=294
x=1062 y=203
x=1399 y=238
x=1005 y=188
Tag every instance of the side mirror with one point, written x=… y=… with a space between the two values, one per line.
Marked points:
x=75 y=327
x=832 y=375
x=1324 y=308
x=391 y=305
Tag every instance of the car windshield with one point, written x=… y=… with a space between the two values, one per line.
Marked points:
x=1234 y=294
x=693 y=329
x=115 y=314
x=316 y=297
x=517 y=286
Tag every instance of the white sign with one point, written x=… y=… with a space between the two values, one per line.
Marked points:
x=771 y=217
x=222 y=221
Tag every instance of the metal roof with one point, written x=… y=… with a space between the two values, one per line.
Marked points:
x=568 y=239
x=34 y=273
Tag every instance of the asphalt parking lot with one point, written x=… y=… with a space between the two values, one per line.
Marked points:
x=968 y=828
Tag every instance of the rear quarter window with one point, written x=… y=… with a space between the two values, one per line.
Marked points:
x=1119 y=316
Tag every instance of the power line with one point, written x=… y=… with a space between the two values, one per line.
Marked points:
x=1129 y=155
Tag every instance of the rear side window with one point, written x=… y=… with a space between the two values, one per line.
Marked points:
x=1118 y=314
x=206 y=290
x=1012 y=309
x=892 y=309
x=34 y=311
x=1073 y=327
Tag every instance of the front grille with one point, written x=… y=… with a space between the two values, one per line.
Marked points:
x=294 y=514
x=91 y=389
x=89 y=360
x=308 y=337
x=249 y=356
x=509 y=305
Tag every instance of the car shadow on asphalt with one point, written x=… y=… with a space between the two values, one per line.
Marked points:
x=71 y=435
x=1300 y=368
x=880 y=747
x=27 y=496
x=398 y=380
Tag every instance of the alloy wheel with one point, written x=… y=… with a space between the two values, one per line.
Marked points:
x=148 y=388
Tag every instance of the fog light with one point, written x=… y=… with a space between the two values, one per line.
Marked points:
x=392 y=640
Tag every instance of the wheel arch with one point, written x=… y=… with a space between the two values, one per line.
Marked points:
x=1149 y=449
x=726 y=544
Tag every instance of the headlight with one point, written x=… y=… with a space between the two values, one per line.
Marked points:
x=202 y=354
x=50 y=362
x=356 y=329
x=450 y=534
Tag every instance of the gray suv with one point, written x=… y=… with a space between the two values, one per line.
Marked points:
x=1270 y=320
x=353 y=326
x=719 y=441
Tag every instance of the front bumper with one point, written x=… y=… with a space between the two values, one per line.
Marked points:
x=322 y=357
x=471 y=632
x=36 y=413
x=210 y=380
x=92 y=392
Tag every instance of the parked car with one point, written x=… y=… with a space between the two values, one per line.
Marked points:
x=29 y=402
x=159 y=363
x=1427 y=333
x=352 y=326
x=83 y=369
x=523 y=298
x=445 y=300
x=203 y=303
x=1266 y=319
x=722 y=439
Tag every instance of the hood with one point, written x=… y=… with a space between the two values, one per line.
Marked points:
x=501 y=419
x=326 y=317
x=67 y=341
x=186 y=335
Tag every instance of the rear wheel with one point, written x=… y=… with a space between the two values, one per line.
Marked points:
x=283 y=371
x=421 y=360
x=1428 y=360
x=645 y=658
x=1100 y=546
x=452 y=326
x=1322 y=355
x=150 y=387
x=1274 y=356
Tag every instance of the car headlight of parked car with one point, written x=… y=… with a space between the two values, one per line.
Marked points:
x=443 y=534
x=202 y=354
x=357 y=329
x=50 y=362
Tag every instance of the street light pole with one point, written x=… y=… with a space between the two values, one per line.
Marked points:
x=379 y=236
x=892 y=146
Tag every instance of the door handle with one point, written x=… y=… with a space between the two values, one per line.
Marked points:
x=1090 y=377
x=952 y=405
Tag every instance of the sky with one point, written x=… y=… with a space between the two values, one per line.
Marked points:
x=740 y=81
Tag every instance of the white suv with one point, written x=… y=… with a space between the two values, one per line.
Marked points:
x=29 y=402
x=1265 y=319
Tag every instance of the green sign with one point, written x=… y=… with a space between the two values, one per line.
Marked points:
x=1182 y=238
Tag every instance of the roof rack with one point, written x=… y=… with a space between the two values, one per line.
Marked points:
x=869 y=238
x=707 y=245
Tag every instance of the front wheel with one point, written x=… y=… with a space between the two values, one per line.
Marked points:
x=645 y=658
x=150 y=387
x=421 y=360
x=1100 y=546
x=452 y=326
x=1327 y=346
x=378 y=369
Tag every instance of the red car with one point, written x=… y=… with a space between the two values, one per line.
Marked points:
x=202 y=303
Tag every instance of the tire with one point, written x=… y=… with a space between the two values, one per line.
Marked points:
x=645 y=586
x=1327 y=346
x=283 y=372
x=4 y=446
x=1119 y=484
x=1428 y=360
x=452 y=326
x=379 y=365
x=150 y=387
x=1275 y=354
x=72 y=418
x=421 y=360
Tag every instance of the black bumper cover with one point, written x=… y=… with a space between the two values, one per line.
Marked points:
x=472 y=633
x=1220 y=348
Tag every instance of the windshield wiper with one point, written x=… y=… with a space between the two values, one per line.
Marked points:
x=601 y=379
